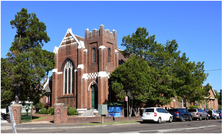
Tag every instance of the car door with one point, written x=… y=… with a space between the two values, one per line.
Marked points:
x=166 y=115
x=160 y=114
x=204 y=114
x=186 y=113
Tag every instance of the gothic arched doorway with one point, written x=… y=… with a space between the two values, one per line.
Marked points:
x=94 y=96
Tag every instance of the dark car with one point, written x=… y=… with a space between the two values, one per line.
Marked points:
x=180 y=114
x=213 y=114
x=220 y=113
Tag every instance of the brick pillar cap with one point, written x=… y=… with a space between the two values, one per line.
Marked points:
x=16 y=105
x=57 y=104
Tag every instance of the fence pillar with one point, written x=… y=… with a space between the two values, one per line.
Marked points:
x=60 y=113
x=16 y=110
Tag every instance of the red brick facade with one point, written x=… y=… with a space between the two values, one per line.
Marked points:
x=91 y=60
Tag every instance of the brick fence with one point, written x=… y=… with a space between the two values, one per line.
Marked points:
x=60 y=116
x=88 y=119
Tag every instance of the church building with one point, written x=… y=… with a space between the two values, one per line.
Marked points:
x=83 y=66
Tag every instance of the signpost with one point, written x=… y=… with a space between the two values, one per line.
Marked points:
x=12 y=120
x=126 y=99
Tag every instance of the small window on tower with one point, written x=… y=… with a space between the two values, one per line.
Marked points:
x=109 y=55
x=94 y=55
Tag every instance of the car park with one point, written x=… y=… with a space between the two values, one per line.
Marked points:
x=213 y=114
x=156 y=114
x=198 y=113
x=220 y=113
x=180 y=114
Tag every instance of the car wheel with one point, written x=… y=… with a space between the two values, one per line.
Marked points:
x=190 y=118
x=215 y=117
x=171 y=119
x=159 y=120
x=182 y=119
x=207 y=118
x=200 y=118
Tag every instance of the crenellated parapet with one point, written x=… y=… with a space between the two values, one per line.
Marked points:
x=92 y=34
x=109 y=34
x=100 y=32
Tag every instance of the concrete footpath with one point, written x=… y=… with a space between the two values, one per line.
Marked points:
x=49 y=125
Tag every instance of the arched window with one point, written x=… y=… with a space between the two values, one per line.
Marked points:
x=68 y=78
x=109 y=55
x=94 y=55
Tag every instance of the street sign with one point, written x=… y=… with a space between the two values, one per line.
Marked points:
x=126 y=98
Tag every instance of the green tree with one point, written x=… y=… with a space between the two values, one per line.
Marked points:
x=175 y=75
x=135 y=79
x=31 y=62
x=159 y=57
x=7 y=92
x=218 y=96
x=189 y=80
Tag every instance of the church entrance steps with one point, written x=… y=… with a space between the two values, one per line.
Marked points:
x=89 y=113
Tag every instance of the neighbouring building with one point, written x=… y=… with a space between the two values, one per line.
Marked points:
x=211 y=104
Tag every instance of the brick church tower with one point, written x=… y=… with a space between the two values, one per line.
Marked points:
x=83 y=65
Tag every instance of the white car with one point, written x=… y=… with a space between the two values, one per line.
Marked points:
x=156 y=114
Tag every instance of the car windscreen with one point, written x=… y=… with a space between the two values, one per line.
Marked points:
x=214 y=111
x=192 y=110
x=149 y=110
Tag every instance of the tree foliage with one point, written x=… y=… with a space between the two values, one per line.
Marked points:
x=135 y=79
x=30 y=61
x=173 y=75
x=7 y=91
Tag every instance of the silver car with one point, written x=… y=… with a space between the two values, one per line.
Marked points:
x=198 y=113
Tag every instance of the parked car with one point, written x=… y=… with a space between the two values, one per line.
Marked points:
x=220 y=113
x=180 y=114
x=213 y=114
x=198 y=113
x=156 y=114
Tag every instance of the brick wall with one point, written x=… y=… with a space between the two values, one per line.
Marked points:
x=88 y=119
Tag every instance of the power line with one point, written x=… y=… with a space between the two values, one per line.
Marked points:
x=214 y=70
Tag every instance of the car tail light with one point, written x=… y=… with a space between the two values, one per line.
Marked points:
x=155 y=114
x=177 y=112
x=213 y=114
x=196 y=113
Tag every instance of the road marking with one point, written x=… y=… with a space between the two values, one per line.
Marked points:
x=177 y=129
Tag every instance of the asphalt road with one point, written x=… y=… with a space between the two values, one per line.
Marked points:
x=210 y=126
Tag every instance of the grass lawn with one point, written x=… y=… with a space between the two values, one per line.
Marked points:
x=34 y=118
x=107 y=123
x=37 y=118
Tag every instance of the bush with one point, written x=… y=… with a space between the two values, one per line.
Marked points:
x=72 y=111
x=51 y=110
x=44 y=111
x=40 y=105
x=192 y=106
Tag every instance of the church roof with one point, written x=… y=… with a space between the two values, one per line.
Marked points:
x=69 y=35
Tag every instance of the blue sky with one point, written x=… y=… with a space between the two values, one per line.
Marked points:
x=196 y=25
